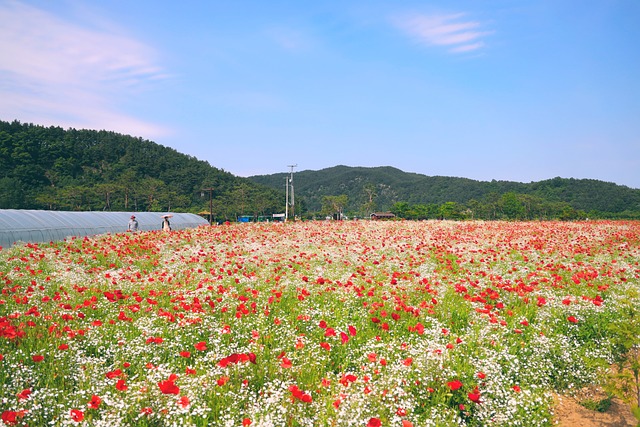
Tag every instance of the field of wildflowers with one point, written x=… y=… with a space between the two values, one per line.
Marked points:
x=335 y=323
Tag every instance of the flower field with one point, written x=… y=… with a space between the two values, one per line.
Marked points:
x=334 y=323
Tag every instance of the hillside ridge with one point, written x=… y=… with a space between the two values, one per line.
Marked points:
x=391 y=185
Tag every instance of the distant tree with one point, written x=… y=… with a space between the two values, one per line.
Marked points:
x=11 y=193
x=334 y=205
x=151 y=189
x=106 y=190
x=127 y=183
x=511 y=206
x=474 y=208
x=451 y=210
x=492 y=205
x=369 y=205
x=401 y=210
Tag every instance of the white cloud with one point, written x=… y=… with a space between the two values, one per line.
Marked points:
x=451 y=31
x=57 y=72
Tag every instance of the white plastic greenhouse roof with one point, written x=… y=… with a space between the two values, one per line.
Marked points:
x=47 y=226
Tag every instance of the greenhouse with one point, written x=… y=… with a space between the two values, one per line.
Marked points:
x=33 y=226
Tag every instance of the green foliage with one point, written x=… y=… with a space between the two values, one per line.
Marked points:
x=334 y=205
x=599 y=405
x=52 y=168
x=625 y=331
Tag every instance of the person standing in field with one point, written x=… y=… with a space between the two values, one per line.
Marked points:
x=133 y=224
x=166 y=225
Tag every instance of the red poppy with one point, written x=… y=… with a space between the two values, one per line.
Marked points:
x=63 y=347
x=346 y=379
x=184 y=401
x=185 y=354
x=95 y=402
x=37 y=358
x=24 y=394
x=121 y=385
x=572 y=319
x=76 y=415
x=326 y=346
x=344 y=338
x=352 y=331
x=374 y=422
x=201 y=346
x=474 y=396
x=113 y=374
x=169 y=386
x=286 y=363
x=296 y=393
x=9 y=417
x=454 y=385
x=246 y=422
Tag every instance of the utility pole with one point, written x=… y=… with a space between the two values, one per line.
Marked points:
x=286 y=204
x=293 y=204
x=210 y=190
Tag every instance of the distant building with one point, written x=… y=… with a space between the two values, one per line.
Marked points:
x=382 y=215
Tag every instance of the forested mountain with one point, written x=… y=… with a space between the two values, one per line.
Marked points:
x=412 y=195
x=52 y=168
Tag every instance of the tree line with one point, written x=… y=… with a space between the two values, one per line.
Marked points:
x=508 y=206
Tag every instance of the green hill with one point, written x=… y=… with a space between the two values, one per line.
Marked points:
x=387 y=188
x=52 y=168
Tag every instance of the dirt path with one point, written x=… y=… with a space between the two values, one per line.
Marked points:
x=569 y=413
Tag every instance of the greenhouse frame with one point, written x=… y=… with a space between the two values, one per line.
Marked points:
x=35 y=226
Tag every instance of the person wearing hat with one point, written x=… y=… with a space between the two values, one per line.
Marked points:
x=133 y=224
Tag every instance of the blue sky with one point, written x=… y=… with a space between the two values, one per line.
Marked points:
x=496 y=89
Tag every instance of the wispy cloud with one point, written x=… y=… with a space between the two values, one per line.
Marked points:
x=289 y=39
x=452 y=31
x=57 y=72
